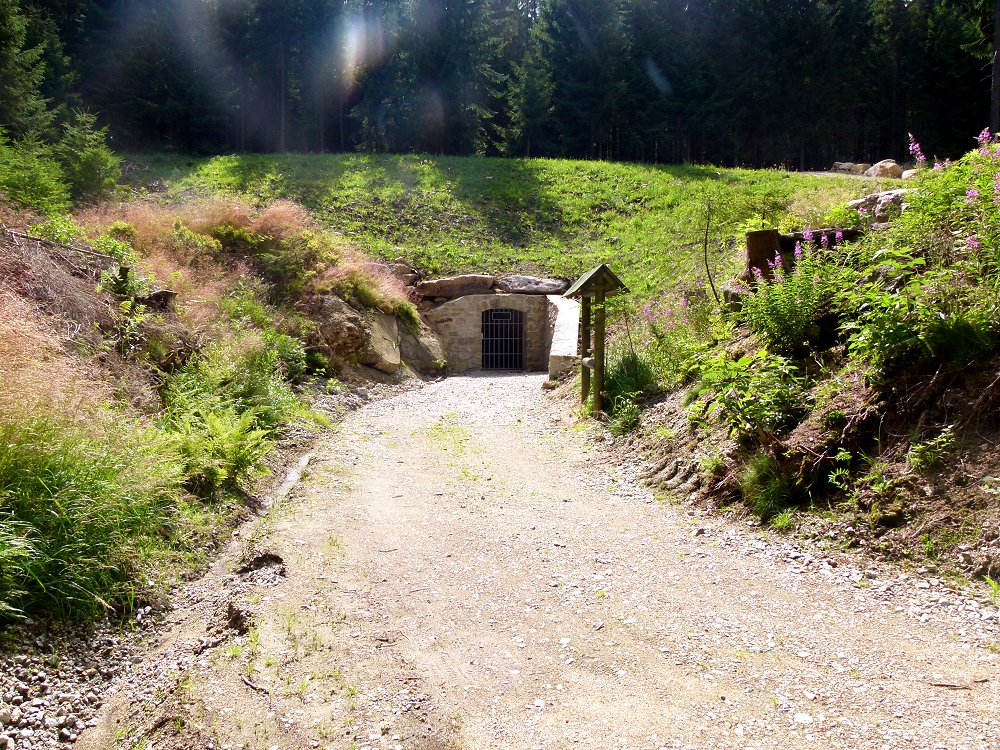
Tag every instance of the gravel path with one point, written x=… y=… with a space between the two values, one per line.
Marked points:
x=460 y=569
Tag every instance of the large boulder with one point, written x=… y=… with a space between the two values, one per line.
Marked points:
x=422 y=350
x=381 y=350
x=885 y=168
x=531 y=285
x=882 y=206
x=341 y=327
x=911 y=174
x=456 y=286
x=369 y=338
x=860 y=168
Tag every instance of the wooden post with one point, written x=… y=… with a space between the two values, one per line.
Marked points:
x=584 y=348
x=762 y=246
x=599 y=353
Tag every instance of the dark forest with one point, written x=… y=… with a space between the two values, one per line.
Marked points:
x=798 y=83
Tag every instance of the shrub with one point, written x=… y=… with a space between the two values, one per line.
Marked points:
x=785 y=311
x=243 y=371
x=196 y=249
x=61 y=229
x=31 y=177
x=926 y=287
x=91 y=168
x=754 y=395
x=219 y=447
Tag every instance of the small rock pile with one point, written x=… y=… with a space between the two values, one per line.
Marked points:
x=53 y=684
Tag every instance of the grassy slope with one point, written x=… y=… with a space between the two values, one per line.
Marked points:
x=450 y=214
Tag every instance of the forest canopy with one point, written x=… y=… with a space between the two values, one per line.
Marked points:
x=732 y=82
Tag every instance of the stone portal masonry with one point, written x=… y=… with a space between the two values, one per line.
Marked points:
x=458 y=324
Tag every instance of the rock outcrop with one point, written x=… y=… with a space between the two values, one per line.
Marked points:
x=881 y=206
x=422 y=351
x=341 y=327
x=456 y=286
x=849 y=167
x=381 y=349
x=531 y=285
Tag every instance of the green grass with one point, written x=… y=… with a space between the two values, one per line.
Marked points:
x=455 y=214
x=82 y=512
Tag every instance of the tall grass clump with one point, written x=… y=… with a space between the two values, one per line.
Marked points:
x=83 y=508
x=765 y=489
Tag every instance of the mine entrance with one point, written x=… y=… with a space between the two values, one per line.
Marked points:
x=503 y=339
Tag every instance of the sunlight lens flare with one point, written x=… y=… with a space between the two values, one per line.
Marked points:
x=364 y=46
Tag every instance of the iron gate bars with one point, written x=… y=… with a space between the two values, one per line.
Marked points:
x=503 y=339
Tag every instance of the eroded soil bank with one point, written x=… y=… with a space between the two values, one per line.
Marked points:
x=460 y=569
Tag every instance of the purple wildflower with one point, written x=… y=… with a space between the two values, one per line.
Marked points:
x=777 y=278
x=984 y=138
x=684 y=303
x=758 y=273
x=971 y=194
x=916 y=152
x=807 y=235
x=648 y=314
x=938 y=165
x=798 y=251
x=972 y=243
x=838 y=238
x=825 y=240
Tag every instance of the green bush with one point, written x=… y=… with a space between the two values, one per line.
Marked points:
x=219 y=448
x=784 y=311
x=926 y=288
x=61 y=229
x=31 y=177
x=246 y=306
x=91 y=168
x=197 y=249
x=244 y=372
x=755 y=394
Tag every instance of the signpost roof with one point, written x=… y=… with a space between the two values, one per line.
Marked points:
x=596 y=280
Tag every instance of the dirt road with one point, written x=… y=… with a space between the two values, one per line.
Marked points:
x=460 y=569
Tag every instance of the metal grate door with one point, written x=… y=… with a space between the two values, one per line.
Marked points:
x=503 y=340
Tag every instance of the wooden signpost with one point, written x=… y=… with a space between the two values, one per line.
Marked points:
x=593 y=289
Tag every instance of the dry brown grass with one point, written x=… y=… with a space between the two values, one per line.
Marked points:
x=281 y=219
x=16 y=218
x=355 y=270
x=36 y=372
x=199 y=286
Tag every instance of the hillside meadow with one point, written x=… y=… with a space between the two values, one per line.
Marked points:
x=453 y=214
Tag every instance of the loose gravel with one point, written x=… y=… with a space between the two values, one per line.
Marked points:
x=463 y=555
